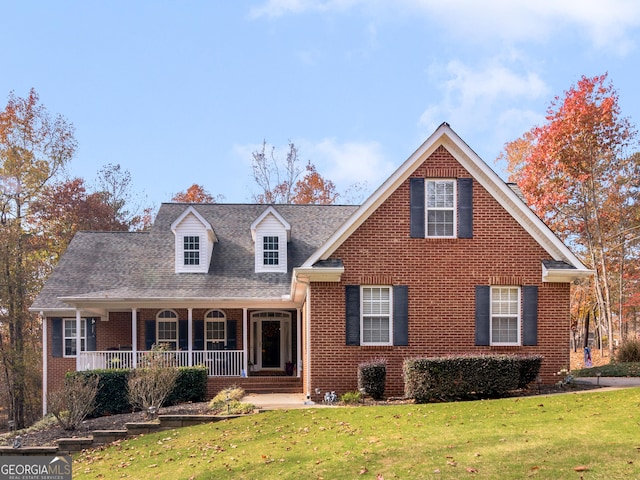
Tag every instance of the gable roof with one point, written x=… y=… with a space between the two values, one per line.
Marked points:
x=504 y=195
x=190 y=210
x=270 y=210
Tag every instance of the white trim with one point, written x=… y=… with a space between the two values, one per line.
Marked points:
x=190 y=335
x=270 y=211
x=284 y=318
x=134 y=336
x=175 y=320
x=390 y=315
x=480 y=171
x=194 y=212
x=45 y=376
x=518 y=342
x=222 y=320
x=453 y=209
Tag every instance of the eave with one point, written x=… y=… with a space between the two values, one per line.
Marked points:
x=565 y=275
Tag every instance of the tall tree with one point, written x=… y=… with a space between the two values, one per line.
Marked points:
x=114 y=183
x=314 y=189
x=64 y=208
x=278 y=179
x=195 y=194
x=575 y=175
x=34 y=147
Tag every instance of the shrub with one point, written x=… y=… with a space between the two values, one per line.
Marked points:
x=191 y=386
x=628 y=351
x=459 y=377
x=75 y=401
x=228 y=401
x=351 y=397
x=372 y=376
x=232 y=393
x=149 y=387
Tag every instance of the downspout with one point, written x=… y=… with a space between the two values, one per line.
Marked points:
x=45 y=377
x=298 y=343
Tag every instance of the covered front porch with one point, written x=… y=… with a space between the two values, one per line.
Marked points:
x=229 y=342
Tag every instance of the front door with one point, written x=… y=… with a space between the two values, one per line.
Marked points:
x=271 y=344
x=271 y=340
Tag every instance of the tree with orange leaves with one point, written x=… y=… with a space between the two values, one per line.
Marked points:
x=279 y=182
x=194 y=194
x=575 y=173
x=34 y=147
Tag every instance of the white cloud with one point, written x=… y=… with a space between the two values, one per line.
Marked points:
x=607 y=24
x=344 y=163
x=472 y=98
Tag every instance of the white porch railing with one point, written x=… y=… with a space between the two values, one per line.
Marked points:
x=219 y=363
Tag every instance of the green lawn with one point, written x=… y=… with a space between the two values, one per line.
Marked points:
x=545 y=437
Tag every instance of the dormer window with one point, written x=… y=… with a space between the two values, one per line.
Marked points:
x=270 y=233
x=270 y=250
x=194 y=240
x=191 y=250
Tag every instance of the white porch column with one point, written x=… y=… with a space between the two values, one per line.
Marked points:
x=78 y=339
x=134 y=336
x=298 y=341
x=45 y=377
x=245 y=342
x=190 y=335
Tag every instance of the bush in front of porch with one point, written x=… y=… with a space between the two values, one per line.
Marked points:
x=191 y=386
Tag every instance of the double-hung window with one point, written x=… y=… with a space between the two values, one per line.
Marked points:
x=270 y=250
x=441 y=208
x=505 y=315
x=70 y=336
x=191 y=250
x=376 y=315
x=167 y=329
x=215 y=329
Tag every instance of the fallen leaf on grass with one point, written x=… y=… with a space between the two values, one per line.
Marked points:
x=362 y=471
x=471 y=470
x=581 y=468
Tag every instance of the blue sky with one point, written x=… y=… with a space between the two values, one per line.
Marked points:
x=181 y=92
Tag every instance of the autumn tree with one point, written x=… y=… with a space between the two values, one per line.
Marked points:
x=279 y=179
x=115 y=185
x=195 y=194
x=575 y=175
x=66 y=207
x=314 y=189
x=34 y=148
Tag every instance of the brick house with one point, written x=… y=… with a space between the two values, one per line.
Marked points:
x=443 y=258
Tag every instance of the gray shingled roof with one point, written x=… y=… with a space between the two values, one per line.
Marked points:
x=141 y=265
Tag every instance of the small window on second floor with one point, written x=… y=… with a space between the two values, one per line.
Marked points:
x=270 y=250
x=441 y=208
x=192 y=250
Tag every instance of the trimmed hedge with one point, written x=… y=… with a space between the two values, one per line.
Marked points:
x=191 y=386
x=372 y=376
x=460 y=377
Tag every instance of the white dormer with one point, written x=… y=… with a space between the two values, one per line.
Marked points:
x=194 y=239
x=270 y=233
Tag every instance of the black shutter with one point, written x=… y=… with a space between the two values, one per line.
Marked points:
x=465 y=208
x=401 y=315
x=149 y=334
x=530 y=315
x=56 y=337
x=417 y=208
x=232 y=333
x=183 y=334
x=352 y=306
x=483 y=295
x=91 y=335
x=198 y=334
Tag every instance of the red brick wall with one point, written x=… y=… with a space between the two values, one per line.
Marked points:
x=441 y=275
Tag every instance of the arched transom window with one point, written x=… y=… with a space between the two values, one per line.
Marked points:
x=215 y=329
x=167 y=329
